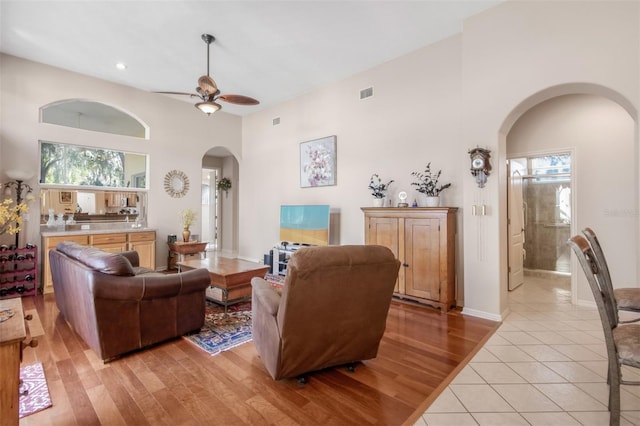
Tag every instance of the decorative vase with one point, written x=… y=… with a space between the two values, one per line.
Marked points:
x=427 y=201
x=378 y=202
x=432 y=201
x=186 y=235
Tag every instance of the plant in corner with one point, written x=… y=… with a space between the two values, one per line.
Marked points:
x=224 y=184
x=427 y=182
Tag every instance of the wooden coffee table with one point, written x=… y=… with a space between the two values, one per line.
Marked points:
x=231 y=277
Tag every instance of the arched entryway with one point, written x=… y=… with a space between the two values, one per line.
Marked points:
x=597 y=127
x=220 y=207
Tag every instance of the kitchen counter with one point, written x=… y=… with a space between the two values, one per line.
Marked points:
x=93 y=229
x=110 y=237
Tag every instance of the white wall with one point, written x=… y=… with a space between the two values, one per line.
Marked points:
x=515 y=56
x=434 y=105
x=412 y=119
x=601 y=135
x=179 y=135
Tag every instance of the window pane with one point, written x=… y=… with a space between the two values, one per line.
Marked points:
x=77 y=165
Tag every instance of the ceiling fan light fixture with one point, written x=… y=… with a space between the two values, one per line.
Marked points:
x=208 y=91
x=208 y=107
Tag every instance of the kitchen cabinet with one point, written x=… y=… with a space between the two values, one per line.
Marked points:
x=144 y=242
x=49 y=243
x=113 y=243
x=423 y=239
x=120 y=199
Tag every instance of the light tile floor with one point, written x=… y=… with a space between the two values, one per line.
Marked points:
x=546 y=365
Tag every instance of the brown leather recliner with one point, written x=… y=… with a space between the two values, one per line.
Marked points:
x=118 y=307
x=332 y=309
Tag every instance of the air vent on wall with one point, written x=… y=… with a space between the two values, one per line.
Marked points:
x=276 y=121
x=366 y=93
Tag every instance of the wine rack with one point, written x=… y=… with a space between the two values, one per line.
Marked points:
x=18 y=271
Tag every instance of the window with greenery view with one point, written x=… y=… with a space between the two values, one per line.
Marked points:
x=77 y=165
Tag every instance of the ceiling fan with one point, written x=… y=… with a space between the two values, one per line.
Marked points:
x=208 y=91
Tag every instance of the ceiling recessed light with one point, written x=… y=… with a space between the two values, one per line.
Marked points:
x=121 y=66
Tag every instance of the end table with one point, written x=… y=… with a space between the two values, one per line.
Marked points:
x=178 y=251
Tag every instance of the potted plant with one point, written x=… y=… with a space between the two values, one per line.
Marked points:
x=187 y=217
x=427 y=184
x=224 y=184
x=378 y=189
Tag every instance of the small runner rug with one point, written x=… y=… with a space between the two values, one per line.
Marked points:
x=34 y=382
x=221 y=333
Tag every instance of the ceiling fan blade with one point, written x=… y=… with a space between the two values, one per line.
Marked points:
x=193 y=95
x=207 y=84
x=238 y=99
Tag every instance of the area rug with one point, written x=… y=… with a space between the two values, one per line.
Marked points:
x=222 y=332
x=37 y=393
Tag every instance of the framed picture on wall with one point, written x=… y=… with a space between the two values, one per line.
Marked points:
x=65 y=197
x=318 y=162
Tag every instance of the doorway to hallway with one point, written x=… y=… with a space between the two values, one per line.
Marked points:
x=210 y=210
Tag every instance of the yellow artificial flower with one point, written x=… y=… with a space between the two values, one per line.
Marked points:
x=187 y=217
x=11 y=216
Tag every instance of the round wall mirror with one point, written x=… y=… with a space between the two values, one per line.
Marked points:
x=176 y=183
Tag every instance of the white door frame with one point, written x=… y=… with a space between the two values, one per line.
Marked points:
x=574 y=210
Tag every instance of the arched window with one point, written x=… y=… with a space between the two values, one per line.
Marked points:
x=95 y=116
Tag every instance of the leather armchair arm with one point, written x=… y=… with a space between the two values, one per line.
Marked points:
x=133 y=257
x=265 y=295
x=174 y=284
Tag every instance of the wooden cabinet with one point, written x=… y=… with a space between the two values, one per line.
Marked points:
x=113 y=243
x=49 y=243
x=143 y=242
x=14 y=336
x=423 y=239
x=120 y=199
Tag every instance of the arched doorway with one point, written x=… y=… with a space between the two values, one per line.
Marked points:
x=220 y=208
x=598 y=128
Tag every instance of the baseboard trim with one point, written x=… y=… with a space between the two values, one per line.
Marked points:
x=482 y=314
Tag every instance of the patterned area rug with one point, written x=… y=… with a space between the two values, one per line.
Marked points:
x=220 y=332
x=35 y=384
x=275 y=279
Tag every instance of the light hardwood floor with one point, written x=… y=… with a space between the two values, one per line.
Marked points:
x=176 y=383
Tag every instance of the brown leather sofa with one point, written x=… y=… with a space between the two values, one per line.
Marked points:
x=331 y=311
x=117 y=306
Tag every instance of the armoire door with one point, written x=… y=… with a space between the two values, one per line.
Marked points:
x=384 y=231
x=422 y=258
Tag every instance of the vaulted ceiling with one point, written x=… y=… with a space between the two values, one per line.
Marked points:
x=269 y=50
